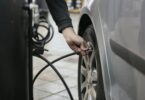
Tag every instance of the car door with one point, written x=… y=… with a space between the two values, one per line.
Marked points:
x=123 y=23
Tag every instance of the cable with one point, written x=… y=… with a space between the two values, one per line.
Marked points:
x=45 y=39
x=65 y=56
x=39 y=41
x=51 y=30
x=50 y=64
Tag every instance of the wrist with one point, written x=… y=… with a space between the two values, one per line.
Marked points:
x=68 y=30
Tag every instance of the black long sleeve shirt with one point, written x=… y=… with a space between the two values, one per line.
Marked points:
x=59 y=11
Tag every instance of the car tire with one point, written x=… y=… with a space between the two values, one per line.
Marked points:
x=90 y=82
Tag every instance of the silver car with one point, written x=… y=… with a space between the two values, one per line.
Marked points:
x=114 y=69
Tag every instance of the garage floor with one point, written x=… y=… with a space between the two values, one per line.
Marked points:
x=48 y=86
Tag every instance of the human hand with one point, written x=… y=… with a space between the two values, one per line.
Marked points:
x=75 y=42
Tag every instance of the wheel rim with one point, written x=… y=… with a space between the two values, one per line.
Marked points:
x=89 y=76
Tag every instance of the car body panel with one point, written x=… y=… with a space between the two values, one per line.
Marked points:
x=119 y=27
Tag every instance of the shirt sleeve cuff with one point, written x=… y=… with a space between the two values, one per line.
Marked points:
x=64 y=24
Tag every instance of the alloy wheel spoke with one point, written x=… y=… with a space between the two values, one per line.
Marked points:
x=86 y=61
x=92 y=93
x=86 y=94
x=83 y=71
x=92 y=58
x=84 y=85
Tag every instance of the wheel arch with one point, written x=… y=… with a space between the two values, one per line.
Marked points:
x=82 y=26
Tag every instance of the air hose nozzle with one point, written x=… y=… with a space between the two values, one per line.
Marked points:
x=90 y=46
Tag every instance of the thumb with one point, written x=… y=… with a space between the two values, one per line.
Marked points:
x=84 y=45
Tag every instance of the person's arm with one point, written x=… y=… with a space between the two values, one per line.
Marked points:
x=59 y=11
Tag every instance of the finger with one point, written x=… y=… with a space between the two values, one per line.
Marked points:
x=76 y=49
x=72 y=46
x=81 y=46
x=84 y=46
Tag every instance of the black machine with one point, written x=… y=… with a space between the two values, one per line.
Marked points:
x=15 y=51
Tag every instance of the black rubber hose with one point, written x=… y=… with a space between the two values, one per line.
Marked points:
x=51 y=30
x=59 y=75
x=50 y=64
x=65 y=56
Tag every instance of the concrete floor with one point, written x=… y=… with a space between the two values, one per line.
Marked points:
x=48 y=86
